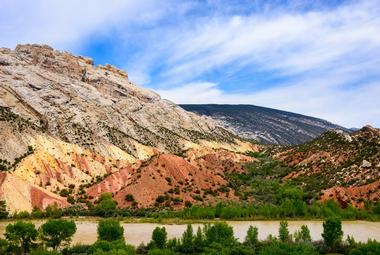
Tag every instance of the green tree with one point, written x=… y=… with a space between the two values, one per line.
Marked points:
x=199 y=240
x=129 y=197
x=3 y=246
x=219 y=232
x=110 y=230
x=21 y=215
x=21 y=234
x=252 y=238
x=106 y=205
x=187 y=241
x=332 y=232
x=57 y=232
x=159 y=237
x=3 y=210
x=53 y=211
x=283 y=232
x=36 y=213
x=303 y=235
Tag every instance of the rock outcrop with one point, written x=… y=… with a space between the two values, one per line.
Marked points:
x=66 y=124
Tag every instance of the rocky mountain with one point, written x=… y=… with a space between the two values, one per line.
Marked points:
x=71 y=130
x=265 y=125
x=337 y=165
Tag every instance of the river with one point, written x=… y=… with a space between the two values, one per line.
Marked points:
x=135 y=233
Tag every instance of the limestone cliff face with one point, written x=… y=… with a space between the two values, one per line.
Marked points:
x=95 y=106
x=67 y=123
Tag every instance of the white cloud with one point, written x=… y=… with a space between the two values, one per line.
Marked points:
x=290 y=43
x=332 y=57
x=65 y=23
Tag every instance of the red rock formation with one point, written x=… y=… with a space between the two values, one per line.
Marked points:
x=172 y=176
x=353 y=195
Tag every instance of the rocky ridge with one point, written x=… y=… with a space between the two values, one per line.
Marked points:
x=67 y=125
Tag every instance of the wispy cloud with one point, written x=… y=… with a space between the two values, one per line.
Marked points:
x=66 y=23
x=331 y=57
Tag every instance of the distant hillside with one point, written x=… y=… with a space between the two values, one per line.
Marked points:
x=265 y=125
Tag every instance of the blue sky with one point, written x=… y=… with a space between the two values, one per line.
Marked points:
x=320 y=58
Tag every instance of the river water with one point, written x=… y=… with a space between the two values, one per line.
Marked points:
x=136 y=233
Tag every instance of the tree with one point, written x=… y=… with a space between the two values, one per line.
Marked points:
x=187 y=245
x=252 y=238
x=3 y=246
x=283 y=232
x=110 y=230
x=36 y=213
x=53 y=211
x=106 y=205
x=3 y=210
x=56 y=232
x=159 y=237
x=303 y=235
x=199 y=240
x=219 y=232
x=21 y=234
x=129 y=197
x=332 y=232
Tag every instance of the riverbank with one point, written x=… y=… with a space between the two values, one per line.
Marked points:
x=137 y=231
x=182 y=221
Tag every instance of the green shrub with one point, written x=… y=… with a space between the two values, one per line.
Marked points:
x=369 y=248
x=288 y=249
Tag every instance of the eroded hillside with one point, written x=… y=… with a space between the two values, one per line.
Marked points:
x=71 y=130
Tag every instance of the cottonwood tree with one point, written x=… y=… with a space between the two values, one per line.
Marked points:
x=57 y=232
x=332 y=232
x=110 y=230
x=21 y=234
x=159 y=237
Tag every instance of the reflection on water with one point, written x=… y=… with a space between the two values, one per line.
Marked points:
x=136 y=233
